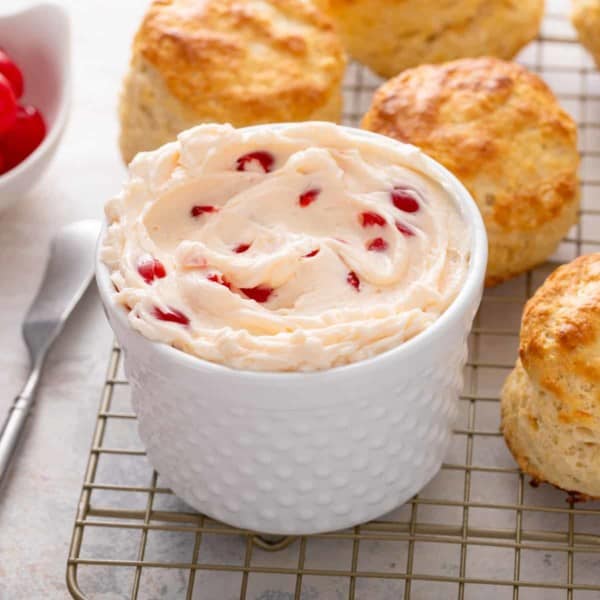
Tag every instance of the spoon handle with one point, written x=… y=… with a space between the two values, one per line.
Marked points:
x=14 y=425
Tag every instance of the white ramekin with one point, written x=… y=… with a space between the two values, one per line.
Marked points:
x=299 y=453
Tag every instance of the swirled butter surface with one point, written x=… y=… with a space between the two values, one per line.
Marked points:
x=294 y=248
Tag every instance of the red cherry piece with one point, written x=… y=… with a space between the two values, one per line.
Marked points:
x=220 y=279
x=265 y=159
x=203 y=209
x=8 y=106
x=24 y=137
x=308 y=197
x=260 y=293
x=377 y=245
x=10 y=70
x=171 y=316
x=404 y=199
x=311 y=254
x=371 y=219
x=241 y=248
x=353 y=280
x=151 y=268
x=404 y=229
x=2 y=164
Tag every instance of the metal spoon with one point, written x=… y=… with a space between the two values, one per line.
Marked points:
x=69 y=271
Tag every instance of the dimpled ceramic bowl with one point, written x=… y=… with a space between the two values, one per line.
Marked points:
x=299 y=453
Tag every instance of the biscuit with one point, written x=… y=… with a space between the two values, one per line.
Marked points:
x=391 y=35
x=551 y=401
x=586 y=20
x=501 y=131
x=228 y=61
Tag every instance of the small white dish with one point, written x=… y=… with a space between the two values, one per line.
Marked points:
x=301 y=453
x=38 y=39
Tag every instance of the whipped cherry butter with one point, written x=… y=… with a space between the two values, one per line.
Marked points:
x=293 y=248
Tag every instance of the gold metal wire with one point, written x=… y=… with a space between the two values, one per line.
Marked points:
x=413 y=529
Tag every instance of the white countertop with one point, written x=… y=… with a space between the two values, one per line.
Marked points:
x=37 y=506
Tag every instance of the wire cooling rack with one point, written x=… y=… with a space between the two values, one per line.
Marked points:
x=478 y=530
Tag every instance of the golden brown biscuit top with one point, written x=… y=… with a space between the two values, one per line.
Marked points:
x=585 y=8
x=496 y=125
x=560 y=334
x=242 y=52
x=412 y=17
